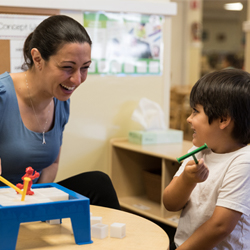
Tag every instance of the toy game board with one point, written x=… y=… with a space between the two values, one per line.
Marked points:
x=50 y=201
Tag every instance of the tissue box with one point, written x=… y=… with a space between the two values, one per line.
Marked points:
x=155 y=136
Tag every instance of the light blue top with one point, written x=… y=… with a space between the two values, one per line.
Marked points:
x=21 y=147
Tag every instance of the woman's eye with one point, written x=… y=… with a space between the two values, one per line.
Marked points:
x=67 y=67
x=84 y=68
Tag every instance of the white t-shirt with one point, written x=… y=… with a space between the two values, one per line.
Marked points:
x=228 y=185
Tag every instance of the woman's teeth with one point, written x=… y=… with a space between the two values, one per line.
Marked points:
x=67 y=87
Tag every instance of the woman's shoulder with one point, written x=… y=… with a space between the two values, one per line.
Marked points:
x=6 y=85
x=4 y=75
x=4 y=78
x=6 y=93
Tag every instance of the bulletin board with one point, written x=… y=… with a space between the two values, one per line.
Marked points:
x=125 y=43
x=5 y=44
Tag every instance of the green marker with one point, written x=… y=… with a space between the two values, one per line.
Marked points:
x=180 y=159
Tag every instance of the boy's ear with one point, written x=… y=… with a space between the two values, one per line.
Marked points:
x=225 y=122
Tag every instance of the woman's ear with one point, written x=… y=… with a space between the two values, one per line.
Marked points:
x=37 y=58
x=225 y=122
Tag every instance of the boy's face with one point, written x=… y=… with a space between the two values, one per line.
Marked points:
x=203 y=131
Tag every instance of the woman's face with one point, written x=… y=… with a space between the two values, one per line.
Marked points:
x=66 y=70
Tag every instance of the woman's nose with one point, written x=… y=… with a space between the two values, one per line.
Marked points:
x=76 y=77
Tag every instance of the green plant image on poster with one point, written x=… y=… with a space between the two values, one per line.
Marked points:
x=125 y=44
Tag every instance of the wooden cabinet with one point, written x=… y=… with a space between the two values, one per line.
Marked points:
x=127 y=165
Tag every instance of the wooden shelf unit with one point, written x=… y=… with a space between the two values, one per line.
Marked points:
x=127 y=163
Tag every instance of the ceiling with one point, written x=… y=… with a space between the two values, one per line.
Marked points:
x=219 y=4
x=215 y=9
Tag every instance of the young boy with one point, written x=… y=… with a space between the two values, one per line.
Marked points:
x=215 y=193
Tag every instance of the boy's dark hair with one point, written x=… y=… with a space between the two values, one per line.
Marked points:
x=50 y=35
x=225 y=93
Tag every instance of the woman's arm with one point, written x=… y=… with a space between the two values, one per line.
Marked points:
x=177 y=193
x=49 y=174
x=213 y=231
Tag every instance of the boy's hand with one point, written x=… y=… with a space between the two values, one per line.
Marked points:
x=177 y=193
x=195 y=173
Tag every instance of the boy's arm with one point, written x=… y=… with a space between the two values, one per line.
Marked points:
x=213 y=231
x=177 y=193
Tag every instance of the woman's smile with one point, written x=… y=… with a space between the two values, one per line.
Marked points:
x=67 y=87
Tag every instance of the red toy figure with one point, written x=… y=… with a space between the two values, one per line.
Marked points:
x=29 y=173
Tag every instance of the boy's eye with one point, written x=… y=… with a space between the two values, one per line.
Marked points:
x=195 y=111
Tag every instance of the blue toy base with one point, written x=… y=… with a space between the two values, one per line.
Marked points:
x=76 y=208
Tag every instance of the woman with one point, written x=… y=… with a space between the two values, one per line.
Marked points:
x=34 y=107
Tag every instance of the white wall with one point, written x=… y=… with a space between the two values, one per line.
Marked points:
x=246 y=28
x=233 y=36
x=186 y=53
x=179 y=46
x=100 y=110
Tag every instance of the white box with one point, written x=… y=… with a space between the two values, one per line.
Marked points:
x=155 y=136
x=99 y=231
x=95 y=219
x=54 y=222
x=118 y=230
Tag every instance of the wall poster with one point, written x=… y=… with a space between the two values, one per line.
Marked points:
x=125 y=44
x=16 y=28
